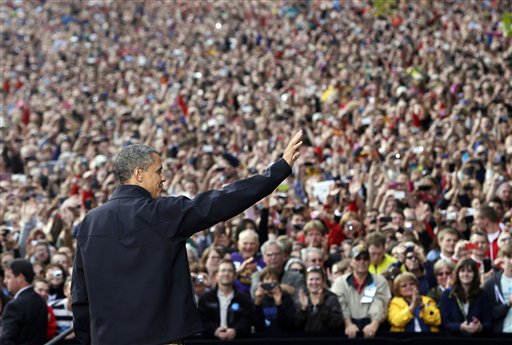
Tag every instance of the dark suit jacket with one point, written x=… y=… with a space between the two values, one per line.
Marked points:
x=25 y=320
x=131 y=280
x=494 y=291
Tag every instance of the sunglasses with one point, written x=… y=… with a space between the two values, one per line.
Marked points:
x=362 y=258
x=411 y=257
x=443 y=274
x=314 y=269
x=298 y=270
x=404 y=285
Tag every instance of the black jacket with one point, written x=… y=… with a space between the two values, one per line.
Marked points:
x=272 y=320
x=25 y=320
x=240 y=312
x=326 y=316
x=131 y=280
x=500 y=306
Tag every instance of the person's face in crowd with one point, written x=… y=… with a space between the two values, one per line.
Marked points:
x=481 y=222
x=273 y=257
x=443 y=277
x=314 y=238
x=55 y=276
x=482 y=245
x=397 y=219
x=360 y=264
x=505 y=193
x=412 y=261
x=61 y=259
x=314 y=259
x=296 y=267
x=222 y=239
x=336 y=272
x=42 y=289
x=447 y=244
x=12 y=282
x=351 y=229
x=41 y=252
x=190 y=188
x=7 y=259
x=466 y=275
x=407 y=288
x=376 y=254
x=226 y=274
x=248 y=246
x=297 y=221
x=68 y=252
x=38 y=270
x=153 y=177
x=212 y=262
x=314 y=282
x=504 y=238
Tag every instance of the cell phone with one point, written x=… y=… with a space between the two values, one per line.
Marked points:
x=268 y=286
x=470 y=212
x=385 y=219
x=471 y=246
x=399 y=194
x=424 y=187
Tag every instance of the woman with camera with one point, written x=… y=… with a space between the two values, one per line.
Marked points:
x=274 y=307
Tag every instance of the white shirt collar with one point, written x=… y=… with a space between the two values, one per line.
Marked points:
x=21 y=290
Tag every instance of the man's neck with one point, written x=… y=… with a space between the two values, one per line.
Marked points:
x=360 y=276
x=492 y=229
x=446 y=254
x=226 y=289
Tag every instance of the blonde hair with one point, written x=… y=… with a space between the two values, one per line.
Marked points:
x=403 y=277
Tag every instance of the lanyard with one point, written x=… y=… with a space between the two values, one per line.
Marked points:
x=461 y=308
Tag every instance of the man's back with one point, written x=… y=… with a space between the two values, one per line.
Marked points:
x=24 y=320
x=131 y=276
x=121 y=240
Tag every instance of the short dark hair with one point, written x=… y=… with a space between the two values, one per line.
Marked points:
x=24 y=267
x=131 y=157
x=489 y=213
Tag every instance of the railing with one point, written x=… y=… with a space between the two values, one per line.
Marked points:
x=336 y=339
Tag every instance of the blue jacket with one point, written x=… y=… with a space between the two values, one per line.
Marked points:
x=452 y=316
x=131 y=279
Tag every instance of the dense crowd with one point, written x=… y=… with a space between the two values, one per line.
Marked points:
x=397 y=216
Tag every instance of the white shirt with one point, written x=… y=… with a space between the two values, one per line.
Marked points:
x=224 y=302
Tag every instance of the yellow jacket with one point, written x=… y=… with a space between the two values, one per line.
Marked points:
x=399 y=315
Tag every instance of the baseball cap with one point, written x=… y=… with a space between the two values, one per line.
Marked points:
x=358 y=250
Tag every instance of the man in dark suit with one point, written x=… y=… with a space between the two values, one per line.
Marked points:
x=131 y=279
x=25 y=317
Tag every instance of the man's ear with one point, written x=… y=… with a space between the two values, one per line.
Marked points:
x=138 y=173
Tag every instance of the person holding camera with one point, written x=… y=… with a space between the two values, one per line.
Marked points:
x=274 y=306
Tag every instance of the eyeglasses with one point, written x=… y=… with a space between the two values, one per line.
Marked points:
x=411 y=257
x=314 y=269
x=298 y=270
x=443 y=273
x=362 y=258
x=404 y=285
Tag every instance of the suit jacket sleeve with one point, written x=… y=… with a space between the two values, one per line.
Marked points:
x=214 y=206
x=80 y=301
x=12 y=321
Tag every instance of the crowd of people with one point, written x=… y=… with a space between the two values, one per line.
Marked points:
x=397 y=216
